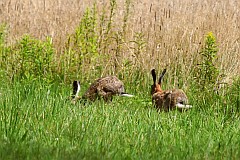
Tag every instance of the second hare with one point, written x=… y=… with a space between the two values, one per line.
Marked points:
x=105 y=87
x=165 y=100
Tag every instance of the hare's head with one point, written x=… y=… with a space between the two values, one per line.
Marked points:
x=157 y=87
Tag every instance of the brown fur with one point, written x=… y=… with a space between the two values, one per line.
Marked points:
x=165 y=100
x=105 y=88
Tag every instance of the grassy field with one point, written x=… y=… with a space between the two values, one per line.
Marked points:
x=38 y=122
x=45 y=45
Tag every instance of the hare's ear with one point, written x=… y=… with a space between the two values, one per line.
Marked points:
x=154 y=76
x=76 y=88
x=161 y=76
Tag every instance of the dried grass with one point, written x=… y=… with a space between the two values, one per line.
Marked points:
x=174 y=29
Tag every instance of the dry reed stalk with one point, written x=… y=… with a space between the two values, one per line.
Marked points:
x=174 y=30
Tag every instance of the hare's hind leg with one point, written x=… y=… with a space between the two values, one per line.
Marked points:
x=107 y=96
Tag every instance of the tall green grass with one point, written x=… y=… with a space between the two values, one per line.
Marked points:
x=38 y=122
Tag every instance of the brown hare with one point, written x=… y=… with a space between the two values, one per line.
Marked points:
x=165 y=100
x=105 y=87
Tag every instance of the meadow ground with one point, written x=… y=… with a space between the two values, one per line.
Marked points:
x=38 y=122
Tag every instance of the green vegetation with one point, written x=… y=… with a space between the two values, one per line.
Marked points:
x=37 y=120
x=207 y=73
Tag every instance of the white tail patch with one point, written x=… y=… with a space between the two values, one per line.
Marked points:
x=126 y=95
x=182 y=106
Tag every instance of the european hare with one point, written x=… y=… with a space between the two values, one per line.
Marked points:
x=105 y=87
x=165 y=100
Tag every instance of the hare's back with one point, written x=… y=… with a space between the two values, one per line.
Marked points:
x=106 y=84
x=179 y=96
x=111 y=84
